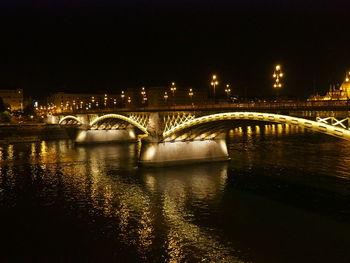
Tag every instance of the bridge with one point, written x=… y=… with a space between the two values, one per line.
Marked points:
x=197 y=133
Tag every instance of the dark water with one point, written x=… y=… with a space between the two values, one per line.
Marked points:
x=284 y=197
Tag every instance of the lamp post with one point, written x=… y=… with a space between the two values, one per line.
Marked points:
x=214 y=82
x=105 y=100
x=228 y=91
x=277 y=75
x=173 y=89
x=123 y=96
x=143 y=94
x=166 y=98
x=129 y=101
x=92 y=101
x=190 y=93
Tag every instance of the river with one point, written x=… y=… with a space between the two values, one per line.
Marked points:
x=283 y=197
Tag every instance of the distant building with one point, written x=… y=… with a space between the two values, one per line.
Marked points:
x=13 y=98
x=132 y=97
x=341 y=93
x=63 y=101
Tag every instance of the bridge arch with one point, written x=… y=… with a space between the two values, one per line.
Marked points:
x=257 y=116
x=70 y=117
x=119 y=117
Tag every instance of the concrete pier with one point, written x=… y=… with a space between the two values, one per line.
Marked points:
x=104 y=136
x=170 y=153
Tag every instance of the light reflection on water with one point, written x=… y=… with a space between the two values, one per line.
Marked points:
x=192 y=213
x=266 y=146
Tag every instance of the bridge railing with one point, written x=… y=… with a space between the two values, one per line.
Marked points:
x=328 y=105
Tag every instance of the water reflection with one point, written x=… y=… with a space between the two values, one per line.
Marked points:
x=266 y=146
x=146 y=205
x=173 y=214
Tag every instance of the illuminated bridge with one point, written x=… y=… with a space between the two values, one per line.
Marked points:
x=187 y=134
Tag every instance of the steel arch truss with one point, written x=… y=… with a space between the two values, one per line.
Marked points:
x=112 y=121
x=207 y=131
x=70 y=120
x=142 y=119
x=172 y=121
x=257 y=116
x=344 y=123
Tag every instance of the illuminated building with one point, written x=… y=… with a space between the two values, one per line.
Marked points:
x=13 y=98
x=77 y=101
x=342 y=93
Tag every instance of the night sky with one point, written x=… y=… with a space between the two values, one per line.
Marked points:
x=82 y=46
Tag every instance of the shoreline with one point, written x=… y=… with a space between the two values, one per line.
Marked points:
x=20 y=133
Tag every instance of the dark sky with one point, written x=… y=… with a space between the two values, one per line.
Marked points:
x=49 y=46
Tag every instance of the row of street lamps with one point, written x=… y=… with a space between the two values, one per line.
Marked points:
x=173 y=89
x=214 y=82
x=277 y=76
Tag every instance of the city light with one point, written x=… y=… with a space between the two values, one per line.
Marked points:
x=227 y=91
x=214 y=82
x=143 y=94
x=105 y=100
x=166 y=97
x=190 y=93
x=173 y=89
x=143 y=91
x=277 y=75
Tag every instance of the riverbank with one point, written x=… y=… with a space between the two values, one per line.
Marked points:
x=33 y=132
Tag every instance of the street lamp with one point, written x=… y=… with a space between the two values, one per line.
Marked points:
x=190 y=93
x=173 y=89
x=214 y=82
x=347 y=76
x=143 y=91
x=227 y=90
x=166 y=97
x=129 y=100
x=277 y=75
x=143 y=94
x=105 y=100
x=123 y=96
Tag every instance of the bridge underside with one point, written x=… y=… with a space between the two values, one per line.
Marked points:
x=109 y=130
x=256 y=116
x=186 y=138
x=209 y=131
x=105 y=136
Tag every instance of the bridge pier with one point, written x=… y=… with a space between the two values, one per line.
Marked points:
x=104 y=136
x=179 y=152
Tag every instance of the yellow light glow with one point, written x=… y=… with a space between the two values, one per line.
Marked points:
x=299 y=122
